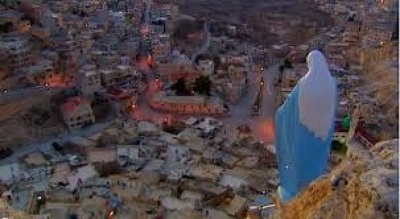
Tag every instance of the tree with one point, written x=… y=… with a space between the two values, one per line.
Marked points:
x=287 y=64
x=180 y=87
x=202 y=85
x=281 y=69
x=28 y=18
x=346 y=122
x=5 y=28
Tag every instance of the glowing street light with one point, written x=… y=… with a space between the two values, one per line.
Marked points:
x=111 y=214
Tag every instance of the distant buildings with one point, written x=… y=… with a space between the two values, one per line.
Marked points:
x=42 y=73
x=171 y=72
x=18 y=49
x=77 y=112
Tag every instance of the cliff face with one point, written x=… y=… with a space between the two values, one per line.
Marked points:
x=364 y=186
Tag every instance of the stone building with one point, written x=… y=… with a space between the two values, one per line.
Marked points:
x=90 y=80
x=77 y=112
x=18 y=50
x=119 y=75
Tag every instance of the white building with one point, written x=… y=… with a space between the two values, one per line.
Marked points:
x=207 y=66
x=10 y=173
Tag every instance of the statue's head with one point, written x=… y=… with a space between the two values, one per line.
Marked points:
x=316 y=61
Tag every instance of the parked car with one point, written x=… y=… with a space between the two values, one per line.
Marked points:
x=5 y=152
x=57 y=147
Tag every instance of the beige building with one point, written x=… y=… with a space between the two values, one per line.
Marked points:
x=77 y=112
x=90 y=80
x=119 y=75
x=171 y=72
x=187 y=104
x=231 y=90
x=369 y=56
x=207 y=66
x=237 y=71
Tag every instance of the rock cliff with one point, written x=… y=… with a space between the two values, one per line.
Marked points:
x=364 y=186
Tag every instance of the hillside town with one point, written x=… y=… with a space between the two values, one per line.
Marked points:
x=139 y=109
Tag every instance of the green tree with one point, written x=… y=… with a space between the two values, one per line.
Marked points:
x=202 y=85
x=5 y=28
x=180 y=87
x=346 y=122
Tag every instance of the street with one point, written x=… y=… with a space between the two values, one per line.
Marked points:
x=47 y=146
x=205 y=45
x=15 y=95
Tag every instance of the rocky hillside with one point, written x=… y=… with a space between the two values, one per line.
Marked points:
x=365 y=186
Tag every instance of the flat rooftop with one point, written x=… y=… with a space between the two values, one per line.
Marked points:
x=161 y=97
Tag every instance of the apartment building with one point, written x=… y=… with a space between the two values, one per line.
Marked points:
x=119 y=75
x=90 y=80
x=77 y=112
x=42 y=73
x=18 y=50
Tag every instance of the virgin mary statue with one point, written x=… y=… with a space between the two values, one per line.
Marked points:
x=304 y=127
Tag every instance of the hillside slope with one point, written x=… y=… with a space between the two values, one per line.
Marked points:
x=370 y=191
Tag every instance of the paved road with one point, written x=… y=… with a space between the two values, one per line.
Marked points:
x=47 y=145
x=16 y=95
x=205 y=45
